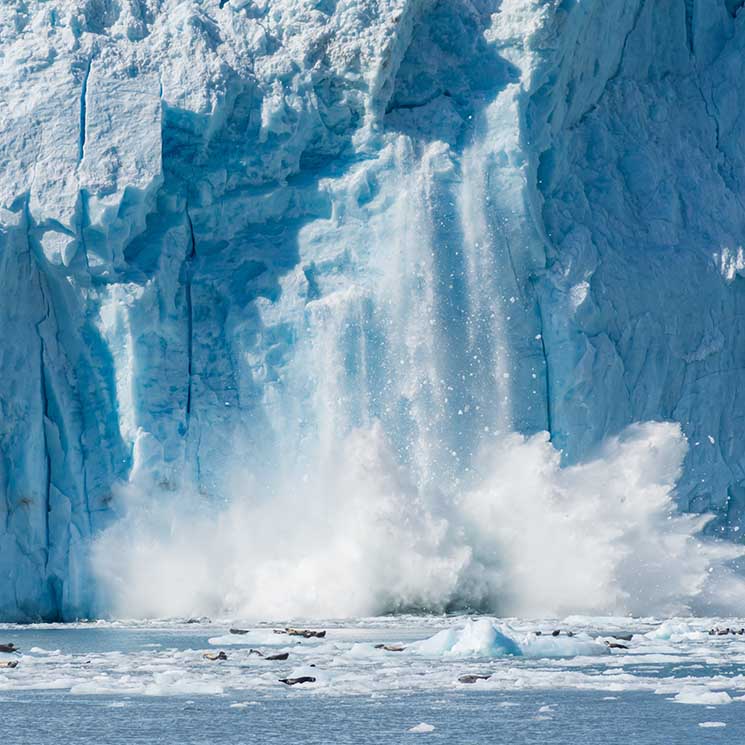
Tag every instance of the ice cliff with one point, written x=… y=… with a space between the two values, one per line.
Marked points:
x=233 y=231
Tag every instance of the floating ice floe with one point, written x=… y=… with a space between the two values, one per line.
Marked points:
x=676 y=631
x=702 y=696
x=489 y=638
x=254 y=637
x=422 y=728
x=168 y=683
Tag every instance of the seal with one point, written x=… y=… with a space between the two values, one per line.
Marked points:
x=9 y=664
x=271 y=657
x=9 y=648
x=305 y=633
x=615 y=645
x=214 y=656
x=391 y=647
x=239 y=631
x=472 y=678
x=297 y=681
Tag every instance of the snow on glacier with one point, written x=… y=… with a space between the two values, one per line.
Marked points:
x=232 y=233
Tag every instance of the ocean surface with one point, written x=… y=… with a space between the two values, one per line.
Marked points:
x=148 y=682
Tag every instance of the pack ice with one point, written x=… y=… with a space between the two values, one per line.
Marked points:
x=232 y=232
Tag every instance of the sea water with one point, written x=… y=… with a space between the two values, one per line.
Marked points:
x=147 y=682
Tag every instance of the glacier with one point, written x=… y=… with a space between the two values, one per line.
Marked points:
x=235 y=232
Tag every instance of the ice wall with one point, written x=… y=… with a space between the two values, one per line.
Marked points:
x=232 y=232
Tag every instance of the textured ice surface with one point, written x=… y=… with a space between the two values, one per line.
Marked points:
x=232 y=232
x=124 y=659
x=130 y=681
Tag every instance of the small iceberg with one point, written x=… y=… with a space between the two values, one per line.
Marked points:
x=702 y=696
x=486 y=637
x=481 y=638
x=422 y=727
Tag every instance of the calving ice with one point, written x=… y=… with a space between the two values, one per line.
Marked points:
x=316 y=308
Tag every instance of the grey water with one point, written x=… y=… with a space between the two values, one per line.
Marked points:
x=579 y=718
x=550 y=715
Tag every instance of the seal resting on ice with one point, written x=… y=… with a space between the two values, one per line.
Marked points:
x=472 y=678
x=214 y=656
x=305 y=633
x=297 y=681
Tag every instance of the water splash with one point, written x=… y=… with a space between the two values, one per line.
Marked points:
x=389 y=475
x=525 y=536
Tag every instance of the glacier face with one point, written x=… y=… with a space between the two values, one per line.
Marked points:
x=232 y=232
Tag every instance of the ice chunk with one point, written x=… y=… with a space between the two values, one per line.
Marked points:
x=488 y=638
x=702 y=696
x=422 y=728
x=481 y=638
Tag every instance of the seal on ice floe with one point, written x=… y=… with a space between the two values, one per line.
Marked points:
x=391 y=647
x=8 y=663
x=305 y=633
x=472 y=678
x=297 y=681
x=271 y=657
x=9 y=648
x=279 y=656
x=724 y=632
x=214 y=656
x=615 y=645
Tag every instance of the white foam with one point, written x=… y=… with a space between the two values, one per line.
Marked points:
x=356 y=536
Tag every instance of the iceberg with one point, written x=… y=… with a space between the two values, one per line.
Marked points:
x=234 y=234
x=486 y=638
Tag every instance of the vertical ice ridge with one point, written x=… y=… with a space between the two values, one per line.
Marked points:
x=546 y=364
x=190 y=259
x=83 y=106
x=689 y=12
x=43 y=393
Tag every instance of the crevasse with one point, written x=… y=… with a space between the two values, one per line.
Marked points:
x=231 y=233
